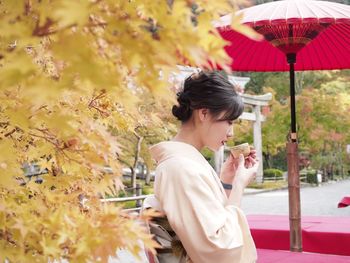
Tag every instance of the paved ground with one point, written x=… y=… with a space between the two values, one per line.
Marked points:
x=317 y=201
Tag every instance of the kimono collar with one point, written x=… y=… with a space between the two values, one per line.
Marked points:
x=165 y=150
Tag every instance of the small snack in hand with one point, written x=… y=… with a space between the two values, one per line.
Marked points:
x=243 y=148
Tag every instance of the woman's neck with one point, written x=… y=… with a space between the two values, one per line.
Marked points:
x=187 y=134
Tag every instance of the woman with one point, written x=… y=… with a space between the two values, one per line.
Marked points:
x=201 y=207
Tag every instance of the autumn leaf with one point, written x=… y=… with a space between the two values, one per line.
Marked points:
x=70 y=13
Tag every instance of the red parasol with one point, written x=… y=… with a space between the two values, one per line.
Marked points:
x=299 y=35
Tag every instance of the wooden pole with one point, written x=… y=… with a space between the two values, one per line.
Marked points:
x=295 y=235
x=294 y=197
x=291 y=59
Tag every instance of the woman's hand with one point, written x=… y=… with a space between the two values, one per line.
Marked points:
x=250 y=159
x=246 y=171
x=243 y=176
x=228 y=169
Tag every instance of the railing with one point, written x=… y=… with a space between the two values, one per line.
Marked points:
x=279 y=178
x=273 y=179
x=139 y=198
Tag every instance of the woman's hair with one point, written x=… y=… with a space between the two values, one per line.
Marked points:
x=211 y=90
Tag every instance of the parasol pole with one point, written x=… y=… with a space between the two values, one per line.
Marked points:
x=291 y=58
x=293 y=168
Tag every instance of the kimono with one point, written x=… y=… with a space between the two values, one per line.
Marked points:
x=189 y=192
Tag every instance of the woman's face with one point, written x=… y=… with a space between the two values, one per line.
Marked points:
x=217 y=132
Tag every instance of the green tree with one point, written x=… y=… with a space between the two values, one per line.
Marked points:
x=304 y=79
x=275 y=129
x=324 y=126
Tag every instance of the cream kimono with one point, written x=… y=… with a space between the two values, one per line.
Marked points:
x=190 y=193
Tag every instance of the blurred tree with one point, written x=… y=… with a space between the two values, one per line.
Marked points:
x=72 y=72
x=277 y=80
x=324 y=125
x=154 y=126
x=274 y=129
x=322 y=118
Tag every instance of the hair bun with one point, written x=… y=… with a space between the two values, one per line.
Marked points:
x=183 y=111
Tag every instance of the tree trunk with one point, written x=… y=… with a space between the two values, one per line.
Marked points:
x=133 y=176
x=136 y=160
x=148 y=177
x=267 y=158
x=325 y=177
x=331 y=171
x=341 y=165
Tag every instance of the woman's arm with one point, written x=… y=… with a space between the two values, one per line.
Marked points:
x=244 y=175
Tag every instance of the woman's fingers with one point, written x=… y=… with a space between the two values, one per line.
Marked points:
x=250 y=161
x=253 y=151
x=253 y=154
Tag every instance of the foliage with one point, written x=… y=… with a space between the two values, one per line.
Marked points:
x=303 y=80
x=322 y=121
x=75 y=76
x=154 y=126
x=273 y=173
x=147 y=190
x=310 y=174
x=242 y=132
x=278 y=160
x=276 y=80
x=324 y=125
x=209 y=156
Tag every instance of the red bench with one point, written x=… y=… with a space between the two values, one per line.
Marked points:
x=274 y=256
x=325 y=235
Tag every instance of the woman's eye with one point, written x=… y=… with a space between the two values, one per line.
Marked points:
x=230 y=122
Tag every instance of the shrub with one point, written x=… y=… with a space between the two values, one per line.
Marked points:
x=273 y=173
x=311 y=177
x=147 y=190
x=129 y=204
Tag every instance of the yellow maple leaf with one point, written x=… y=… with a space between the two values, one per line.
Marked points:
x=70 y=13
x=21 y=226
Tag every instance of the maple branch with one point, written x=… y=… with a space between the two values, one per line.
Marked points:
x=50 y=140
x=40 y=108
x=10 y=133
x=92 y=104
x=69 y=158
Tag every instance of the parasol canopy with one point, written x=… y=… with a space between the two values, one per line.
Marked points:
x=317 y=31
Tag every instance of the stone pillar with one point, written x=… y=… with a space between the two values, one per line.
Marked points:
x=258 y=142
x=218 y=160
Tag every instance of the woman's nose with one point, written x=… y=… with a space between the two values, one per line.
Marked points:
x=230 y=133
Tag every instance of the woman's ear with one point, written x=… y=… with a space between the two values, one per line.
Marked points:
x=203 y=114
